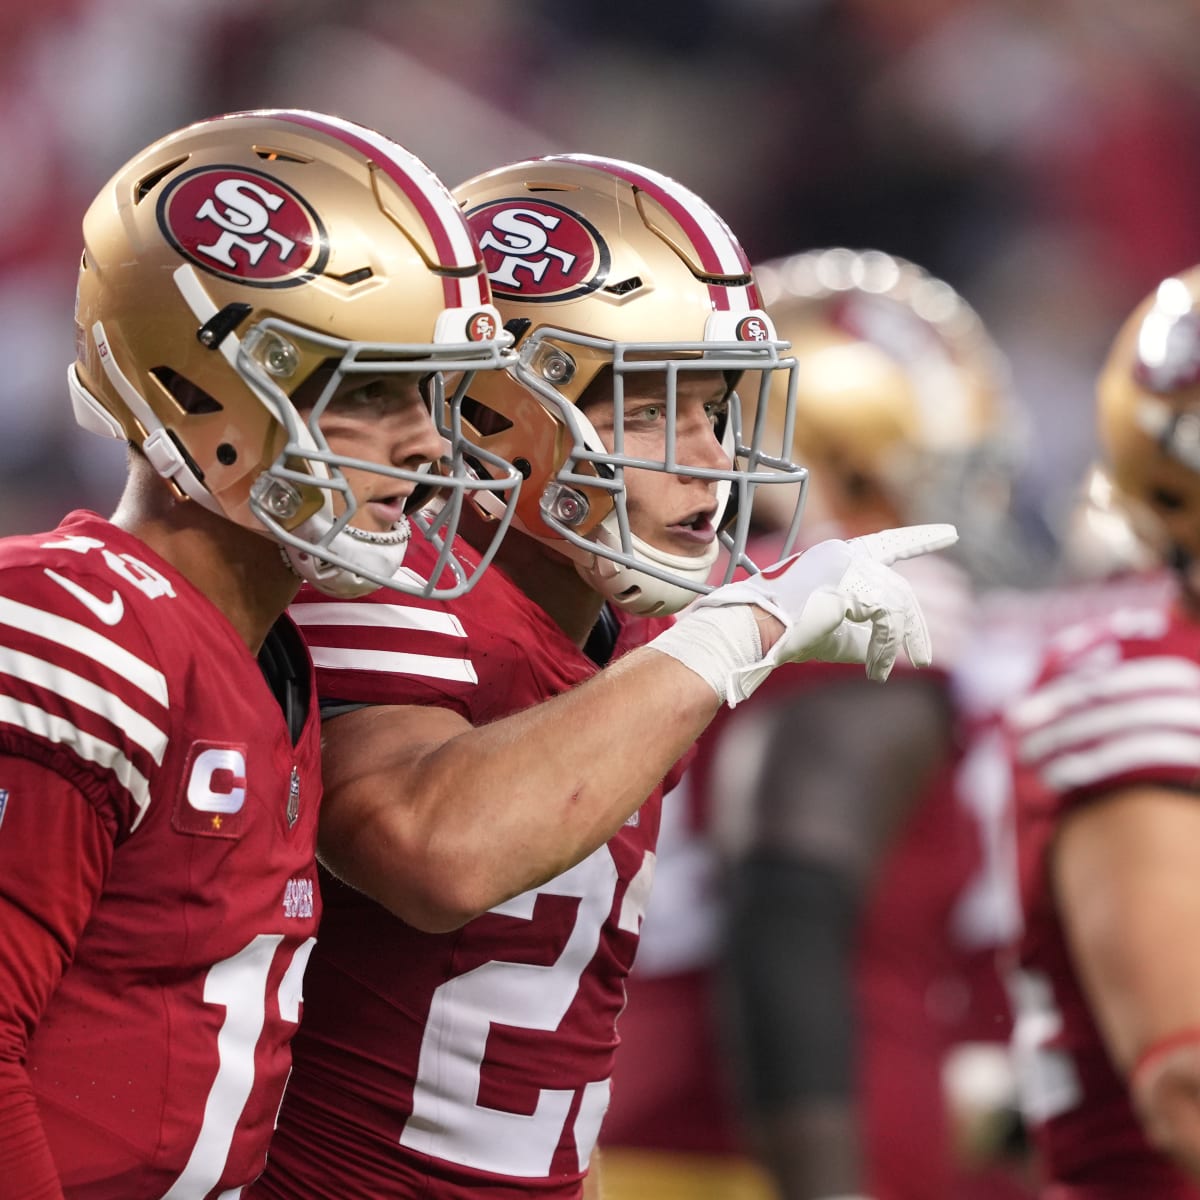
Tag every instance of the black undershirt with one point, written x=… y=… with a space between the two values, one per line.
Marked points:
x=284 y=661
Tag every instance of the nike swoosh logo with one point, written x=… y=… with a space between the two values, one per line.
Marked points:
x=109 y=611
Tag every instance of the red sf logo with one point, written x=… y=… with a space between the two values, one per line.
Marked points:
x=243 y=225
x=481 y=327
x=537 y=251
x=752 y=329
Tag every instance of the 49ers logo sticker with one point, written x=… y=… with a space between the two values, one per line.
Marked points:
x=481 y=327
x=538 y=251
x=752 y=329
x=243 y=225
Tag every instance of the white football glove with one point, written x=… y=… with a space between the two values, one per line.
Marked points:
x=838 y=602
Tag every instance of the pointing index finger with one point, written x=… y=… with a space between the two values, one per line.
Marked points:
x=891 y=545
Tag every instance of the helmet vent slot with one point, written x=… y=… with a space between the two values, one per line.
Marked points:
x=518 y=327
x=148 y=183
x=352 y=277
x=268 y=154
x=193 y=400
x=486 y=420
x=625 y=286
x=1166 y=499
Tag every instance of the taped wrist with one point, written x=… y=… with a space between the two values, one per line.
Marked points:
x=1155 y=1057
x=715 y=643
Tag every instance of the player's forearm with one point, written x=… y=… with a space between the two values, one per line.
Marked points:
x=26 y=1165
x=1124 y=868
x=507 y=806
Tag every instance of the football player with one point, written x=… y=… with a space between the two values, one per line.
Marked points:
x=1107 y=752
x=846 y=854
x=493 y=793
x=266 y=301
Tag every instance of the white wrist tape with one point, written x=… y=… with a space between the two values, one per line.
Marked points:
x=715 y=643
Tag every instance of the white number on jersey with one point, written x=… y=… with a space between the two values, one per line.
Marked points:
x=239 y=985
x=1047 y=1081
x=447 y=1122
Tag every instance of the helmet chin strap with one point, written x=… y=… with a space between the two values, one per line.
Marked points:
x=637 y=590
x=380 y=553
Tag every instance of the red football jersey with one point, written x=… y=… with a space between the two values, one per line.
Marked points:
x=157 y=963
x=479 y=1060
x=1115 y=705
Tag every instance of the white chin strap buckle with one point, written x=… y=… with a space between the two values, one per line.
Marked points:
x=163 y=455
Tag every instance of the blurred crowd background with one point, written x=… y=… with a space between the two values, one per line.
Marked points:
x=1040 y=157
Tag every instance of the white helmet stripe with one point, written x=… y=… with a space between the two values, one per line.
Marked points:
x=451 y=235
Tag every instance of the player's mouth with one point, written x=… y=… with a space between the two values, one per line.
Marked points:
x=696 y=528
x=386 y=511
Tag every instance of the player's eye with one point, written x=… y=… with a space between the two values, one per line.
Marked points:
x=645 y=414
x=717 y=411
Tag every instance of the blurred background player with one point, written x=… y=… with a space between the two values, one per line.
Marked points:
x=159 y=739
x=847 y=976
x=1107 y=754
x=490 y=786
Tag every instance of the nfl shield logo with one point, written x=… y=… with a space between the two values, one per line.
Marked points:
x=293 y=804
x=3 y=803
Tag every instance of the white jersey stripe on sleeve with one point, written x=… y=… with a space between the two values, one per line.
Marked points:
x=375 y=616
x=1089 y=724
x=91 y=749
x=85 y=694
x=105 y=652
x=1139 y=751
x=426 y=666
x=1159 y=674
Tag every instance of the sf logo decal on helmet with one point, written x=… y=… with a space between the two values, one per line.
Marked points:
x=538 y=251
x=242 y=225
x=481 y=327
x=753 y=329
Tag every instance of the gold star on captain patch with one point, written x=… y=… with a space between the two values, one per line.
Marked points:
x=216 y=821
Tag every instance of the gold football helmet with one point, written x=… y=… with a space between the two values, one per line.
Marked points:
x=1149 y=416
x=900 y=389
x=1101 y=539
x=222 y=267
x=606 y=271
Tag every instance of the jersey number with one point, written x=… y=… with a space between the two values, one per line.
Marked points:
x=447 y=1122
x=1047 y=1081
x=239 y=985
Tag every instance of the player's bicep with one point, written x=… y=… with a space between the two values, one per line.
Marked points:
x=55 y=852
x=375 y=767
x=1126 y=876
